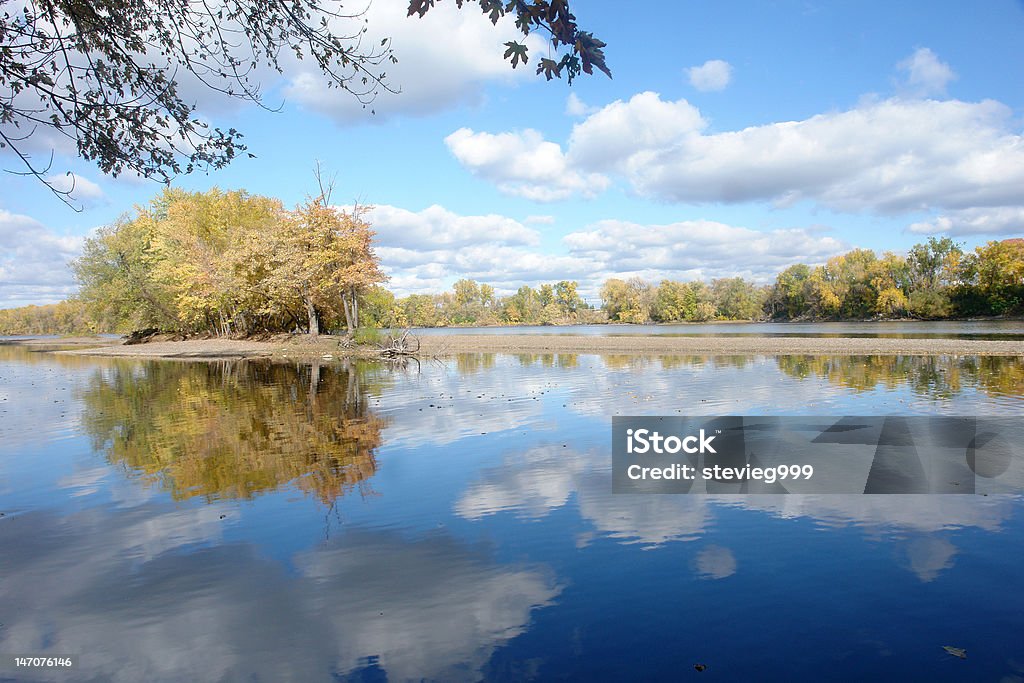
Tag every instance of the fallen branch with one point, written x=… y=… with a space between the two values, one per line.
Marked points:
x=407 y=344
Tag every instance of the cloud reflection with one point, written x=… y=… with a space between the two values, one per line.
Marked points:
x=533 y=484
x=150 y=594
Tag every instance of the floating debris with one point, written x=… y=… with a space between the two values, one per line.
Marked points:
x=700 y=667
x=955 y=651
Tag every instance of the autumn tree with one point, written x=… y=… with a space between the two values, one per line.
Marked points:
x=107 y=74
x=628 y=302
x=324 y=257
x=674 y=302
x=196 y=248
x=994 y=278
x=567 y=298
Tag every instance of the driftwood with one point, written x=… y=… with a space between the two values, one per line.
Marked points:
x=406 y=344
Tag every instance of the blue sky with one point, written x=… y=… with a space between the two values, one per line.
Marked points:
x=734 y=139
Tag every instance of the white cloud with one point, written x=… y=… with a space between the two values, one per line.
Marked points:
x=618 y=131
x=574 y=106
x=698 y=249
x=78 y=188
x=712 y=75
x=426 y=251
x=34 y=261
x=444 y=59
x=435 y=226
x=1003 y=220
x=924 y=74
x=523 y=164
x=884 y=157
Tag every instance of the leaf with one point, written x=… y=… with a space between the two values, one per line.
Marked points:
x=549 y=68
x=517 y=51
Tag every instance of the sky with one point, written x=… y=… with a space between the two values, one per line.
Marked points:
x=734 y=139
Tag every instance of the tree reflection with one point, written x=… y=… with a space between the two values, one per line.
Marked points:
x=939 y=377
x=235 y=429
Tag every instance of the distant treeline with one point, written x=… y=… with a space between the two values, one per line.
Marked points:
x=66 y=317
x=231 y=263
x=471 y=303
x=935 y=280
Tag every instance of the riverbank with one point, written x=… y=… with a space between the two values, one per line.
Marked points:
x=303 y=347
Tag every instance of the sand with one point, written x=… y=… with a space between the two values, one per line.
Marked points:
x=302 y=347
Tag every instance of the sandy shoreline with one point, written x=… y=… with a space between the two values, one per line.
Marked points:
x=300 y=347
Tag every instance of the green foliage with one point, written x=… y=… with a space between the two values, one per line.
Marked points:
x=673 y=301
x=367 y=336
x=930 y=304
x=737 y=299
x=995 y=273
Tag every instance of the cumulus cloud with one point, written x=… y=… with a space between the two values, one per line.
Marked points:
x=923 y=74
x=574 y=106
x=34 y=261
x=698 y=249
x=425 y=251
x=713 y=75
x=610 y=137
x=1001 y=220
x=523 y=164
x=439 y=227
x=885 y=157
x=78 y=188
x=444 y=59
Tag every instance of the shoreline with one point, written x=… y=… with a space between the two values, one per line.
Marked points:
x=300 y=347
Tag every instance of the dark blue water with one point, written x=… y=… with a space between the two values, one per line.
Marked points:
x=455 y=522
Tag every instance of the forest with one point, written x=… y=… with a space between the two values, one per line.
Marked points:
x=231 y=263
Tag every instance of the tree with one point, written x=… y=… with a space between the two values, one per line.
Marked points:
x=628 y=302
x=789 y=294
x=737 y=299
x=105 y=73
x=325 y=258
x=567 y=298
x=673 y=302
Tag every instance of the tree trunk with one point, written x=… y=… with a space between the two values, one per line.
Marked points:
x=314 y=321
x=348 y=313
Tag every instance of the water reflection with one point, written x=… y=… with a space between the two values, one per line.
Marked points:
x=153 y=539
x=939 y=377
x=105 y=583
x=234 y=430
x=534 y=484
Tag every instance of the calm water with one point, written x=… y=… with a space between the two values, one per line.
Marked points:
x=454 y=522
x=987 y=329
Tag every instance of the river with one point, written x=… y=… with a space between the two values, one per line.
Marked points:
x=454 y=521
